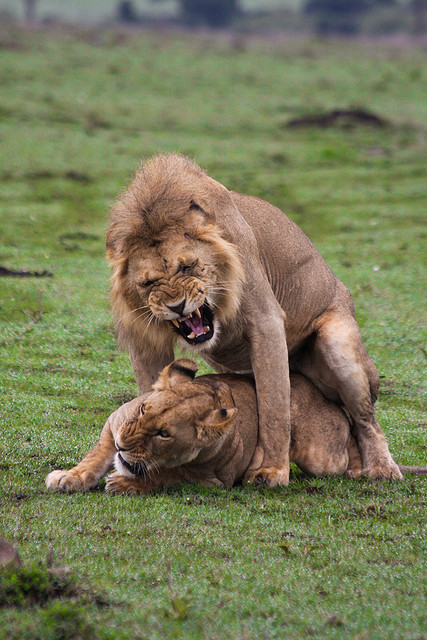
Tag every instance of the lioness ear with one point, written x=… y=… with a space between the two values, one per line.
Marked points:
x=215 y=424
x=180 y=371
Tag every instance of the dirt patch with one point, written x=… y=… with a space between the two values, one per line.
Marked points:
x=345 y=118
x=78 y=176
x=23 y=273
x=122 y=398
x=78 y=235
x=9 y=556
x=44 y=174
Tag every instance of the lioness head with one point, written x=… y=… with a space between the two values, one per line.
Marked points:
x=176 y=421
x=175 y=275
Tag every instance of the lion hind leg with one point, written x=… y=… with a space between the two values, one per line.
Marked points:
x=316 y=460
x=339 y=365
x=354 y=468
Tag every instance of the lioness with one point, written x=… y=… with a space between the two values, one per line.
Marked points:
x=233 y=278
x=205 y=430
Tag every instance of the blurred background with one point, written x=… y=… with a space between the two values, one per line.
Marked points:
x=345 y=17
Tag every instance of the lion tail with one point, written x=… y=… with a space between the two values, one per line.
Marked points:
x=419 y=471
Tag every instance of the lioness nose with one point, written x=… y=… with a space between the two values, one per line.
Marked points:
x=179 y=308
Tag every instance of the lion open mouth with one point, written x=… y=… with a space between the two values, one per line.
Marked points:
x=196 y=327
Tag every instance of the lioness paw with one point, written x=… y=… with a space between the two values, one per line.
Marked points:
x=115 y=483
x=62 y=480
x=271 y=476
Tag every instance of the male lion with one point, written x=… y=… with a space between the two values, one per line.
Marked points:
x=205 y=430
x=234 y=279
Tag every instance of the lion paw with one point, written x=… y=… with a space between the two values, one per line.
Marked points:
x=354 y=474
x=62 y=480
x=386 y=471
x=271 y=476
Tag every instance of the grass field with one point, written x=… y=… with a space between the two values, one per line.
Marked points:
x=324 y=558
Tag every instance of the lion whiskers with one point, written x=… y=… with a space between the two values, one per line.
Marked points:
x=153 y=469
x=141 y=468
x=144 y=316
x=219 y=290
x=153 y=319
x=123 y=318
x=148 y=470
x=211 y=303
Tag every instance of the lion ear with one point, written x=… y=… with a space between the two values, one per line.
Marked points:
x=203 y=206
x=180 y=371
x=117 y=244
x=215 y=424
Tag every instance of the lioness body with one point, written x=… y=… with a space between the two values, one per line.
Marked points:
x=205 y=430
x=230 y=276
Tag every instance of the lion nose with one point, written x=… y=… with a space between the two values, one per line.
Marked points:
x=179 y=308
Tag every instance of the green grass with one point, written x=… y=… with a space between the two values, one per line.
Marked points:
x=325 y=558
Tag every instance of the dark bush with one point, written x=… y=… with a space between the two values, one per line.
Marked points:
x=33 y=584
x=211 y=13
x=336 y=16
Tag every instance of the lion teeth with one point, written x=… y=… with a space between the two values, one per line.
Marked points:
x=198 y=314
x=191 y=336
x=205 y=329
x=175 y=322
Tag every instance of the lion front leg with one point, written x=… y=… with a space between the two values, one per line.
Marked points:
x=88 y=472
x=146 y=367
x=269 y=355
x=72 y=480
x=116 y=483
x=100 y=459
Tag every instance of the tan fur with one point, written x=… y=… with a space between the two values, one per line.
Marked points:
x=274 y=303
x=205 y=430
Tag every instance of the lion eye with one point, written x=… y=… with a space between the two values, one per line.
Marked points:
x=163 y=433
x=195 y=206
x=142 y=410
x=185 y=268
x=147 y=283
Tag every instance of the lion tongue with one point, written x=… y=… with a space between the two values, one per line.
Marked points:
x=195 y=323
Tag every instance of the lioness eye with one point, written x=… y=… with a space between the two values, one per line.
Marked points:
x=147 y=283
x=142 y=409
x=163 y=433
